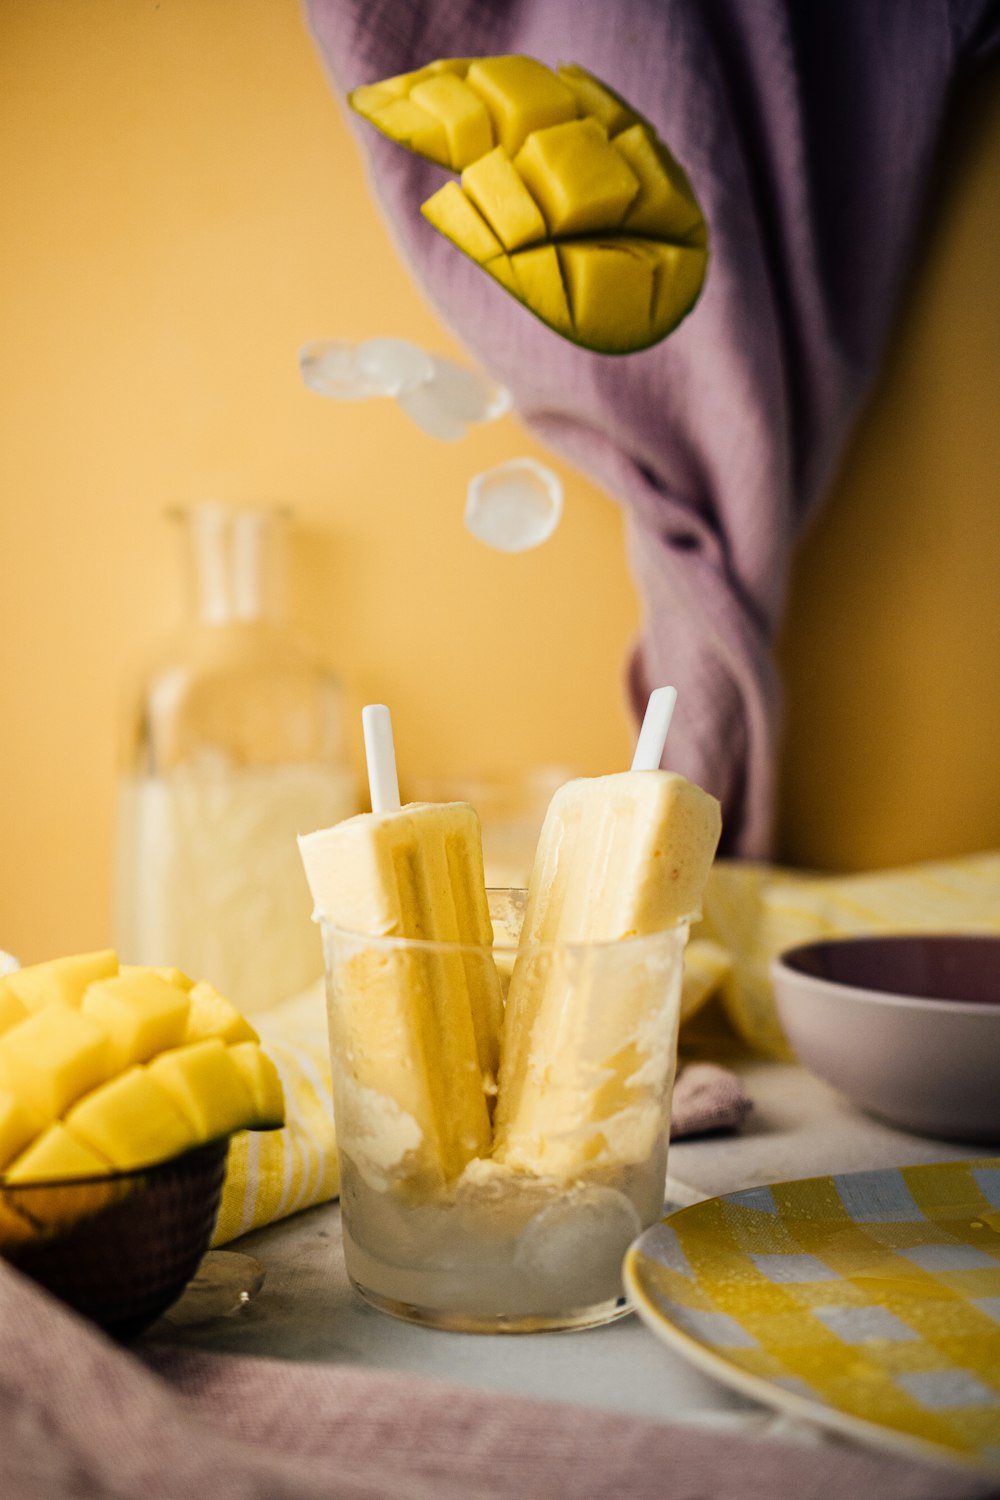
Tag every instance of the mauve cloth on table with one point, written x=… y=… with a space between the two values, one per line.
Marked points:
x=808 y=129
x=81 y=1419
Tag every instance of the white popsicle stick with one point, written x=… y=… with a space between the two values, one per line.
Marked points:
x=381 y=757
x=653 y=734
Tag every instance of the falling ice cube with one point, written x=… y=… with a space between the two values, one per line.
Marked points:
x=331 y=368
x=466 y=394
x=391 y=366
x=430 y=415
x=515 y=506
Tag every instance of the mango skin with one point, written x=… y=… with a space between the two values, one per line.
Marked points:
x=566 y=161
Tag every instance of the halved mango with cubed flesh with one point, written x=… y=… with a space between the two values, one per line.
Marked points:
x=57 y=1153
x=132 y=1121
x=261 y=1078
x=142 y=1014
x=64 y=979
x=71 y=1069
x=51 y=1058
x=568 y=163
x=207 y=1086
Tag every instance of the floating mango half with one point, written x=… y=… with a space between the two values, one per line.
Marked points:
x=567 y=196
x=104 y=1068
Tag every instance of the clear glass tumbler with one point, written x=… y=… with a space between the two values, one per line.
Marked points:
x=531 y=1235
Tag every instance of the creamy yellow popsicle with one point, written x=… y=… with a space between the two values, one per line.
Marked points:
x=583 y=1075
x=415 y=1032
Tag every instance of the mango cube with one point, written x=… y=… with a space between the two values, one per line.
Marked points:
x=132 y=1121
x=16 y=1128
x=610 y=291
x=595 y=98
x=261 y=1077
x=12 y=1009
x=57 y=1153
x=207 y=1086
x=540 y=285
x=577 y=178
x=212 y=1015
x=165 y=971
x=521 y=95
x=141 y=1013
x=664 y=206
x=64 y=979
x=412 y=126
x=462 y=113
x=499 y=193
x=452 y=213
x=50 y=1059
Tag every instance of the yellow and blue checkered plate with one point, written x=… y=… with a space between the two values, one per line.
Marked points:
x=869 y=1302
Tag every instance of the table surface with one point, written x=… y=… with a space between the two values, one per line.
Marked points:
x=307 y=1311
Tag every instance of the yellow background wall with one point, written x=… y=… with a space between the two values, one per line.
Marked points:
x=183 y=208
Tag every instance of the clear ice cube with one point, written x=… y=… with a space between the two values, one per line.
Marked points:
x=330 y=368
x=572 y=1242
x=422 y=406
x=391 y=366
x=466 y=394
x=515 y=506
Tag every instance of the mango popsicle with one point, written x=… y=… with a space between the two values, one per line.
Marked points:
x=583 y=1076
x=415 y=1031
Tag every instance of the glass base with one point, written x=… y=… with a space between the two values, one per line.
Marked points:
x=453 y=1321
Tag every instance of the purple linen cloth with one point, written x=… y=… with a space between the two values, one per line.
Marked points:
x=81 y=1419
x=808 y=128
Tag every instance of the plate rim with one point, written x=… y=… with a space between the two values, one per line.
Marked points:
x=765 y=1391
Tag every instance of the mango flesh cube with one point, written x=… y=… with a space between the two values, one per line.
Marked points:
x=16 y=1128
x=610 y=292
x=64 y=979
x=132 y=1121
x=406 y=122
x=462 y=113
x=679 y=273
x=501 y=268
x=665 y=206
x=521 y=95
x=499 y=193
x=50 y=1059
x=261 y=1078
x=212 y=1015
x=577 y=178
x=207 y=1086
x=141 y=1013
x=596 y=99
x=165 y=971
x=454 y=216
x=55 y=1154
x=12 y=1009
x=540 y=284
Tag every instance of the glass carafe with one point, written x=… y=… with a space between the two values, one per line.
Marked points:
x=234 y=744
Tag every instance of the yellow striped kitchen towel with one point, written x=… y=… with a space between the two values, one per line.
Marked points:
x=276 y=1172
x=754 y=912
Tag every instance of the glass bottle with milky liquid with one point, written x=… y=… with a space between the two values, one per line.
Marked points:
x=234 y=743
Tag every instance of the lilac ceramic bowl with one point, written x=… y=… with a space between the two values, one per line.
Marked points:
x=908 y=1027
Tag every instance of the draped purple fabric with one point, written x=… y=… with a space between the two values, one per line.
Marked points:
x=808 y=128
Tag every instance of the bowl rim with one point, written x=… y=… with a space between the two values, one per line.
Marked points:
x=781 y=965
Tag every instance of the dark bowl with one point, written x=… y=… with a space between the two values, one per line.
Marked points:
x=908 y=1026
x=119 y=1249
